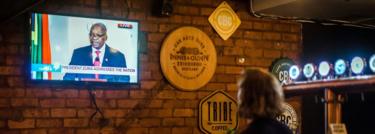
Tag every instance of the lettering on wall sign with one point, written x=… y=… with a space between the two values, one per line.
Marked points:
x=188 y=58
x=224 y=20
x=218 y=113
x=289 y=117
x=280 y=68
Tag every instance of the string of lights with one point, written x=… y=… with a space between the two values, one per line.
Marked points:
x=341 y=69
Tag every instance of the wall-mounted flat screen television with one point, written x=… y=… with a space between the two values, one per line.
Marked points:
x=83 y=49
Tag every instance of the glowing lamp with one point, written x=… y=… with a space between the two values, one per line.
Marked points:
x=340 y=67
x=308 y=70
x=372 y=63
x=324 y=69
x=294 y=72
x=357 y=65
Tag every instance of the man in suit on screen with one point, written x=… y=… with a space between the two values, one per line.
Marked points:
x=98 y=53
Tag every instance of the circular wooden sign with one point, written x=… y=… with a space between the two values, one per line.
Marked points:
x=188 y=58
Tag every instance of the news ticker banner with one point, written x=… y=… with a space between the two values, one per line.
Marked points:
x=218 y=113
x=188 y=58
x=82 y=69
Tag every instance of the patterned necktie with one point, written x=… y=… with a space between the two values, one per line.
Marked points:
x=97 y=62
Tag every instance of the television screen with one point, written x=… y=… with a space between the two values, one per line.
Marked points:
x=71 y=48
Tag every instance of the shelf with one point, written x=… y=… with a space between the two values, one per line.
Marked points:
x=342 y=83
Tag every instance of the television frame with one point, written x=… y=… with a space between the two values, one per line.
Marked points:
x=78 y=84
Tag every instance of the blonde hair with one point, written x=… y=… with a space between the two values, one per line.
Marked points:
x=260 y=94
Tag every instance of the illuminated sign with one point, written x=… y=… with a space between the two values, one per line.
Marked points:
x=372 y=63
x=218 y=113
x=294 y=72
x=308 y=70
x=323 y=68
x=280 y=68
x=340 y=67
x=357 y=65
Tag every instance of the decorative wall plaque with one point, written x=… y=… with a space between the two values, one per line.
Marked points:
x=188 y=58
x=289 y=117
x=218 y=113
x=224 y=20
x=280 y=68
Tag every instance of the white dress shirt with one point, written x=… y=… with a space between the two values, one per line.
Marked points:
x=101 y=54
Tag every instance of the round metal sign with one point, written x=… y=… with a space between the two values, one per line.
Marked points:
x=289 y=117
x=188 y=58
x=280 y=68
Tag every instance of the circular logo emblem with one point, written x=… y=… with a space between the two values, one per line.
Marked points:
x=323 y=68
x=289 y=117
x=188 y=58
x=308 y=70
x=225 y=20
x=372 y=63
x=357 y=65
x=294 y=72
x=280 y=68
x=340 y=67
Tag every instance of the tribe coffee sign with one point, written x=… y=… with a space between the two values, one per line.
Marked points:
x=188 y=58
x=218 y=113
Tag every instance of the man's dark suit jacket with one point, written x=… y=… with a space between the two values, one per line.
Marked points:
x=112 y=58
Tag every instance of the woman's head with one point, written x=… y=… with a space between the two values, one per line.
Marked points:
x=259 y=94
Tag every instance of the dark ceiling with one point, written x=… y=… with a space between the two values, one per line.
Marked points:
x=355 y=11
x=11 y=8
